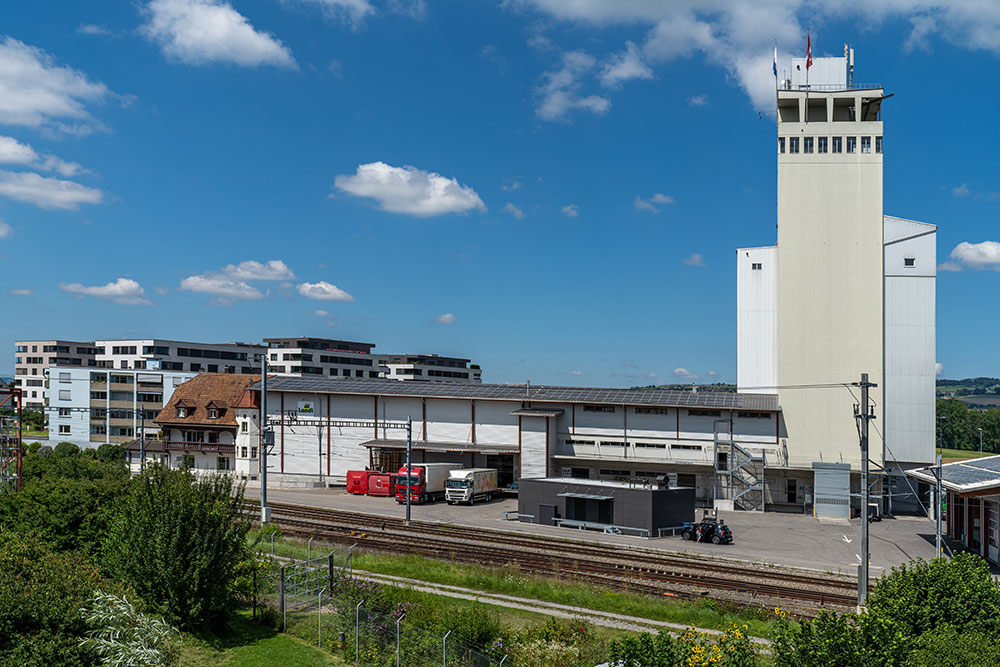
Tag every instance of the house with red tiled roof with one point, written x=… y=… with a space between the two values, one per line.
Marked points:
x=198 y=427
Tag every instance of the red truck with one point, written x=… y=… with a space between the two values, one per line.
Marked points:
x=425 y=482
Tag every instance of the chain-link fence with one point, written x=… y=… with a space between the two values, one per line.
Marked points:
x=290 y=586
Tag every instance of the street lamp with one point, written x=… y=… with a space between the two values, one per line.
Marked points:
x=980 y=441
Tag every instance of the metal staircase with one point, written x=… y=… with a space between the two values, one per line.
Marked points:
x=739 y=476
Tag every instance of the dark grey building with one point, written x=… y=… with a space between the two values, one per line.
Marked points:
x=637 y=507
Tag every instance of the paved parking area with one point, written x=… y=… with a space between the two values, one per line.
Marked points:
x=787 y=539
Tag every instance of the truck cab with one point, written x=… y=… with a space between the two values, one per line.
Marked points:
x=471 y=484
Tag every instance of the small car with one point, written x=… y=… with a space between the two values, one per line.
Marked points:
x=708 y=530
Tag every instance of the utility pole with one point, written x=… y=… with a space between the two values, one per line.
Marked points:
x=864 y=415
x=142 y=437
x=980 y=441
x=409 y=472
x=937 y=511
x=266 y=439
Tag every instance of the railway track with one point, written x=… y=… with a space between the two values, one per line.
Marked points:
x=616 y=566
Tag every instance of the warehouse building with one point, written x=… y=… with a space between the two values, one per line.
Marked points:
x=713 y=441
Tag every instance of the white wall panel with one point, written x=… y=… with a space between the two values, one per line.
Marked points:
x=757 y=320
x=533 y=447
x=494 y=423
x=449 y=420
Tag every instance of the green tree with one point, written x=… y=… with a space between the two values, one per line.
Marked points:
x=122 y=635
x=178 y=540
x=66 y=449
x=41 y=593
x=109 y=453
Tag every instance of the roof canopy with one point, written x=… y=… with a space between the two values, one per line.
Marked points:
x=973 y=477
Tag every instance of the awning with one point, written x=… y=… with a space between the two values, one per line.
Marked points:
x=537 y=412
x=975 y=476
x=458 y=447
x=585 y=496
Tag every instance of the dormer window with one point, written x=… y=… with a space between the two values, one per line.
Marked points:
x=182 y=411
x=213 y=413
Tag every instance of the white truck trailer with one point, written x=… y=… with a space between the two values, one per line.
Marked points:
x=471 y=484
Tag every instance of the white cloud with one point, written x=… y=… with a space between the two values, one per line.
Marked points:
x=694 y=260
x=576 y=372
x=560 y=88
x=684 y=374
x=985 y=255
x=321 y=313
x=124 y=291
x=445 y=318
x=570 y=211
x=513 y=185
x=650 y=375
x=274 y=269
x=630 y=364
x=46 y=192
x=409 y=190
x=960 y=191
x=647 y=204
x=13 y=151
x=92 y=29
x=5 y=230
x=349 y=11
x=161 y=289
x=196 y=32
x=36 y=92
x=514 y=211
x=738 y=37
x=220 y=286
x=938 y=369
x=949 y=266
x=698 y=100
x=336 y=68
x=23 y=292
x=625 y=66
x=323 y=291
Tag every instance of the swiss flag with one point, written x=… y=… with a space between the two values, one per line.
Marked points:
x=809 y=52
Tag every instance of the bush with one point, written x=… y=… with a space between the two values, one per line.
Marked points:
x=109 y=453
x=947 y=647
x=646 y=650
x=122 y=635
x=41 y=594
x=178 y=541
x=66 y=449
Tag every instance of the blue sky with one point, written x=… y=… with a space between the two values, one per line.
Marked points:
x=552 y=188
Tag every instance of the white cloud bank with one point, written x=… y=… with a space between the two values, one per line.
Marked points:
x=648 y=204
x=14 y=152
x=124 y=291
x=323 y=291
x=44 y=192
x=198 y=32
x=220 y=286
x=559 y=92
x=36 y=92
x=274 y=269
x=985 y=255
x=409 y=190
x=738 y=37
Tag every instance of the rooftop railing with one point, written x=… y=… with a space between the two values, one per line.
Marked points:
x=828 y=87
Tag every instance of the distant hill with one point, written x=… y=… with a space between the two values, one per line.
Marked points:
x=716 y=387
x=980 y=392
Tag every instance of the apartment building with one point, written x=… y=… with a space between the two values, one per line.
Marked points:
x=90 y=407
x=318 y=357
x=32 y=357
x=429 y=368
x=175 y=355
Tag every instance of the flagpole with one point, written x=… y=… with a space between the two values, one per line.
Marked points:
x=808 y=56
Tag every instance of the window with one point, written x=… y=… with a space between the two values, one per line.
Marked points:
x=793 y=144
x=756 y=266
x=618 y=473
x=878 y=144
x=213 y=413
x=64 y=429
x=243 y=427
x=807 y=145
x=98 y=395
x=64 y=377
x=182 y=411
x=243 y=452
x=64 y=394
x=838 y=144
x=598 y=408
x=213 y=368
x=571 y=441
x=194 y=367
x=852 y=144
x=253 y=452
x=909 y=262
x=866 y=144
x=704 y=413
x=651 y=411
x=781 y=144
x=361 y=374
x=753 y=415
x=821 y=144
x=722 y=461
x=64 y=412
x=213 y=438
x=223 y=463
x=687 y=448
x=651 y=445
x=612 y=443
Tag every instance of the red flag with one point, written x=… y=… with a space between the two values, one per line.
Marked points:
x=809 y=52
